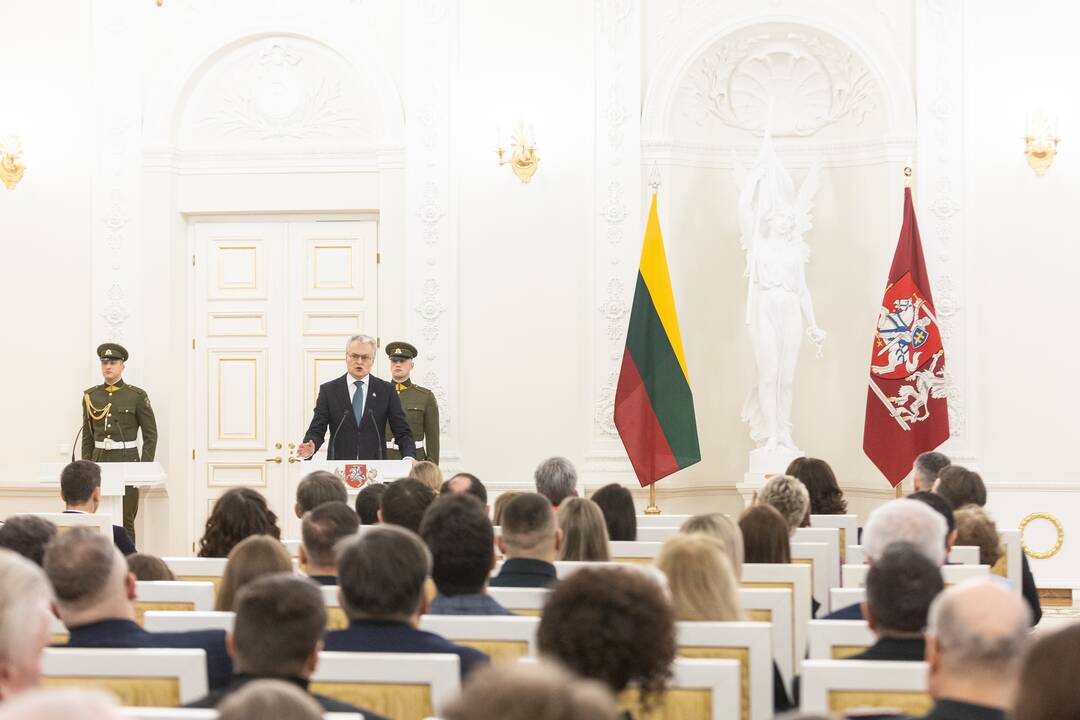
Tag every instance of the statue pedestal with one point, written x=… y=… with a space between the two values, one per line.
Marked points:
x=763 y=465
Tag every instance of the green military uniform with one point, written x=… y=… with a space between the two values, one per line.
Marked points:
x=112 y=416
x=421 y=410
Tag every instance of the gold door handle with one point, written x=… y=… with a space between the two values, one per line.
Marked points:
x=274 y=460
x=294 y=459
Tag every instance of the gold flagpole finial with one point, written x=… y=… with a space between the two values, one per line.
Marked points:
x=908 y=172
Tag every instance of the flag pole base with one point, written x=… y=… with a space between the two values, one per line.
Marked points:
x=652 y=509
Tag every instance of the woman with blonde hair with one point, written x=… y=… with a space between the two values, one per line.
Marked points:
x=725 y=530
x=584 y=531
x=252 y=558
x=428 y=473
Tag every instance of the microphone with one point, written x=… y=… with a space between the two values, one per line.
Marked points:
x=74 y=444
x=378 y=435
x=334 y=436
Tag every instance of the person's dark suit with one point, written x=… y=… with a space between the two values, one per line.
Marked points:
x=334 y=411
x=120 y=536
x=954 y=710
x=525 y=572
x=393 y=636
x=127 y=634
x=886 y=648
x=850 y=612
x=240 y=680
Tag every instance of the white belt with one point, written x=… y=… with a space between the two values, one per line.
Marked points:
x=108 y=444
x=391 y=445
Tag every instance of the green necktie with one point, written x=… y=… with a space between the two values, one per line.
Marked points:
x=358 y=401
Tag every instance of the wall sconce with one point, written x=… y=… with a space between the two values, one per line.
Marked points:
x=11 y=161
x=523 y=158
x=1040 y=142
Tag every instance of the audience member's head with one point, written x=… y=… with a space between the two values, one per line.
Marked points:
x=381 y=574
x=70 y=703
x=320 y=530
x=466 y=483
x=584 y=532
x=317 y=488
x=404 y=503
x=368 y=502
x=462 y=544
x=149 y=567
x=926 y=469
x=25 y=610
x=613 y=625
x=790 y=497
x=428 y=473
x=543 y=691
x=766 y=538
x=276 y=699
x=944 y=507
x=500 y=505
x=90 y=578
x=529 y=529
x=907 y=520
x=723 y=529
x=27 y=535
x=252 y=558
x=80 y=485
x=239 y=513
x=900 y=586
x=556 y=479
x=826 y=497
x=961 y=487
x=976 y=635
x=617 y=504
x=278 y=629
x=975 y=527
x=1047 y=693
x=700 y=579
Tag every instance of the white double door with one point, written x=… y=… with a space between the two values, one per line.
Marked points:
x=274 y=303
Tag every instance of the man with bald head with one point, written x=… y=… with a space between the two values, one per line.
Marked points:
x=975 y=640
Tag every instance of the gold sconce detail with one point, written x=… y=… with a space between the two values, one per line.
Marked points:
x=1040 y=142
x=523 y=158
x=11 y=162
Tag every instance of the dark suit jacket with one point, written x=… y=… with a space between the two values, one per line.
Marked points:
x=1030 y=592
x=392 y=636
x=851 y=612
x=239 y=681
x=953 y=710
x=120 y=537
x=907 y=649
x=127 y=634
x=524 y=572
x=324 y=579
x=334 y=412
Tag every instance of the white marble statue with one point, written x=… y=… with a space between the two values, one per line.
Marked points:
x=773 y=218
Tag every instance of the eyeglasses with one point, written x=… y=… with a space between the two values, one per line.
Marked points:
x=362 y=358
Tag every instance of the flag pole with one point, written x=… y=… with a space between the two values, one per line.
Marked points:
x=652 y=509
x=654 y=184
x=908 y=172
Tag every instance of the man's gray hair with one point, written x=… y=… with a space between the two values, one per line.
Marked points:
x=789 y=496
x=24 y=590
x=908 y=521
x=929 y=464
x=556 y=479
x=366 y=339
x=972 y=637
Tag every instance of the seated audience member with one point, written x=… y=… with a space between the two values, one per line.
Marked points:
x=900 y=586
x=975 y=641
x=556 y=479
x=70 y=703
x=725 y=530
x=1046 y=692
x=974 y=527
x=789 y=497
x=945 y=509
x=462 y=544
x=703 y=587
x=466 y=483
x=239 y=513
x=80 y=489
x=765 y=535
x=530 y=542
x=251 y=559
x=25 y=615
x=404 y=503
x=320 y=531
x=926 y=469
x=277 y=635
x=149 y=568
x=95 y=595
x=900 y=520
x=500 y=505
x=543 y=691
x=428 y=473
x=262 y=699
x=617 y=504
x=27 y=535
x=826 y=497
x=368 y=501
x=584 y=532
x=316 y=488
x=381 y=574
x=614 y=625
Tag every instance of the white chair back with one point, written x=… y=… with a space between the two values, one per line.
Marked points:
x=829 y=536
x=964 y=555
x=293 y=547
x=749 y=643
x=174 y=621
x=839 y=686
x=523 y=601
x=838 y=639
x=198 y=595
x=848 y=525
x=137 y=713
x=816 y=555
x=120 y=671
x=1011 y=565
x=391 y=684
x=498 y=636
x=639 y=552
x=102 y=522
x=644 y=521
x=656 y=534
x=795 y=578
x=773 y=606
x=842 y=597
x=855 y=575
x=196 y=568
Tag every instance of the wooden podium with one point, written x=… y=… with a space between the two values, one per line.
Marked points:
x=114 y=477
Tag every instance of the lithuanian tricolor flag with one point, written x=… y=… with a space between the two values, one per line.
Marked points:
x=654 y=408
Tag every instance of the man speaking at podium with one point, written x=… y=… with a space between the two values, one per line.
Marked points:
x=355 y=407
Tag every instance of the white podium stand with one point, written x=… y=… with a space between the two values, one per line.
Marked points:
x=357 y=473
x=114 y=476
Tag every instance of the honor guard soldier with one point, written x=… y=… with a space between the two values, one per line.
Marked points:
x=421 y=408
x=113 y=413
